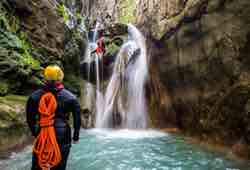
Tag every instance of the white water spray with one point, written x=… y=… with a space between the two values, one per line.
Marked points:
x=95 y=35
x=125 y=94
x=89 y=89
x=137 y=74
x=93 y=99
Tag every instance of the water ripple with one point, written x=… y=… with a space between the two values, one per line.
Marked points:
x=132 y=150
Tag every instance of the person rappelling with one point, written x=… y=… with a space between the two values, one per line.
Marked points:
x=47 y=111
x=100 y=45
x=97 y=46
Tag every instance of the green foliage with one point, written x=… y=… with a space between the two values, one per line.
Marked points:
x=126 y=11
x=22 y=46
x=8 y=21
x=13 y=39
x=9 y=40
x=62 y=11
x=3 y=88
x=27 y=59
x=80 y=17
x=16 y=61
x=112 y=49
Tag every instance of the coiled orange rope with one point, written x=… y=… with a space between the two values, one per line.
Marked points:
x=45 y=145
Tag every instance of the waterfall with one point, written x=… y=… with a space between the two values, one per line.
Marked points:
x=94 y=39
x=124 y=101
x=99 y=95
x=137 y=74
x=90 y=93
x=89 y=88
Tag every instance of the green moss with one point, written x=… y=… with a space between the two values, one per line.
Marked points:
x=111 y=49
x=15 y=58
x=80 y=18
x=12 y=38
x=62 y=11
x=27 y=59
x=3 y=88
x=13 y=99
x=127 y=11
x=8 y=21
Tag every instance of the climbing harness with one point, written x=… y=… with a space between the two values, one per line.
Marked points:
x=45 y=145
x=100 y=46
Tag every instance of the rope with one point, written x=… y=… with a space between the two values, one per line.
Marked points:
x=45 y=145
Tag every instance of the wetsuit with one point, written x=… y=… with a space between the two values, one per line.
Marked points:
x=66 y=103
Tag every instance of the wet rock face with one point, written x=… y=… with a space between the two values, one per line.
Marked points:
x=154 y=15
x=42 y=24
x=200 y=49
x=110 y=11
x=33 y=35
x=202 y=60
x=13 y=128
x=203 y=63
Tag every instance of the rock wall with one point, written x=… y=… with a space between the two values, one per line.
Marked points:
x=41 y=22
x=109 y=11
x=199 y=51
x=202 y=61
x=13 y=128
x=35 y=34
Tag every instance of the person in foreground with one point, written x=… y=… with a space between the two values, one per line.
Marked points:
x=47 y=112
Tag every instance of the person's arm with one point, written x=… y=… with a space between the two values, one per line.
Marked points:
x=31 y=115
x=76 y=119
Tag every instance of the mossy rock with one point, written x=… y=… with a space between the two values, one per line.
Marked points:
x=4 y=87
x=13 y=136
x=16 y=62
x=12 y=111
x=16 y=98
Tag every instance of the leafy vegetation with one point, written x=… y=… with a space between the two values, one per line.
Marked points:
x=27 y=59
x=8 y=21
x=62 y=10
x=16 y=61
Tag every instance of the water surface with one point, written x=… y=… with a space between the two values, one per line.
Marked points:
x=133 y=150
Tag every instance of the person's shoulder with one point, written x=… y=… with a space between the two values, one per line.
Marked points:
x=36 y=94
x=67 y=93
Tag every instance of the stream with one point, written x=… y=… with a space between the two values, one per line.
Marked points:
x=133 y=150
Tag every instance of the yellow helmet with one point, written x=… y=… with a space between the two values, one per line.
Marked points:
x=53 y=72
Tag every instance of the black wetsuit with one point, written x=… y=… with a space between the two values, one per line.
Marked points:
x=66 y=103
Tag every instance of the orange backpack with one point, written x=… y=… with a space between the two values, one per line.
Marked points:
x=45 y=145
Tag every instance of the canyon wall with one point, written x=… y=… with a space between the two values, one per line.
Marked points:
x=199 y=57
